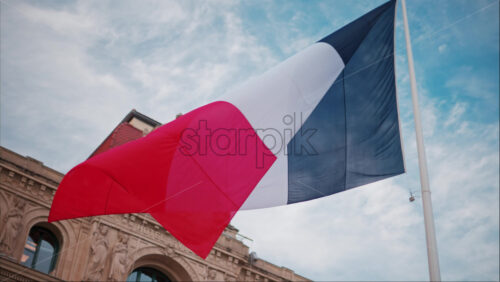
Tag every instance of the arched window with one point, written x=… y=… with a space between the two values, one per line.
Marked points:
x=146 y=274
x=40 y=251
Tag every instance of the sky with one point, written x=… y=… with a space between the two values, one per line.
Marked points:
x=71 y=70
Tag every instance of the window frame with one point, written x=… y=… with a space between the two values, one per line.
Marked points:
x=45 y=235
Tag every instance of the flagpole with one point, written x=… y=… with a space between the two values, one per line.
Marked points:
x=430 y=233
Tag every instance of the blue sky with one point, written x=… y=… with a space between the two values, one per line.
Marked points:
x=70 y=71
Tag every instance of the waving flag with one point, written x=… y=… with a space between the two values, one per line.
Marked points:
x=321 y=122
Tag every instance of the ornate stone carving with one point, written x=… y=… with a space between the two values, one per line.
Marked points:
x=168 y=250
x=119 y=260
x=200 y=270
x=229 y=278
x=98 y=253
x=12 y=227
x=9 y=178
x=212 y=273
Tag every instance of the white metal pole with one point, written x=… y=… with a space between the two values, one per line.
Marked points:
x=430 y=234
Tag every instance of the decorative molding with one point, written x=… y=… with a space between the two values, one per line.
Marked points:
x=120 y=260
x=13 y=227
x=98 y=254
x=25 y=186
x=12 y=271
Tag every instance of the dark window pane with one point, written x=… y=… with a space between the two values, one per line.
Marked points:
x=146 y=274
x=132 y=277
x=144 y=277
x=29 y=252
x=162 y=278
x=44 y=257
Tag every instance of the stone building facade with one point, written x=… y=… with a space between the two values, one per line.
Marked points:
x=111 y=247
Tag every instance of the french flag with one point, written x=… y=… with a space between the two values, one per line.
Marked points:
x=321 y=122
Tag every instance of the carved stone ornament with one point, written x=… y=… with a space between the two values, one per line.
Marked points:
x=98 y=254
x=119 y=259
x=212 y=274
x=229 y=278
x=13 y=225
x=201 y=270
x=168 y=250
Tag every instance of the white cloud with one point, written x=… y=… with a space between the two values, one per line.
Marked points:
x=471 y=82
x=326 y=236
x=442 y=48
x=456 y=113
x=51 y=83
x=85 y=65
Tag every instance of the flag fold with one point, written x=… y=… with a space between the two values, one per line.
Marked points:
x=321 y=122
